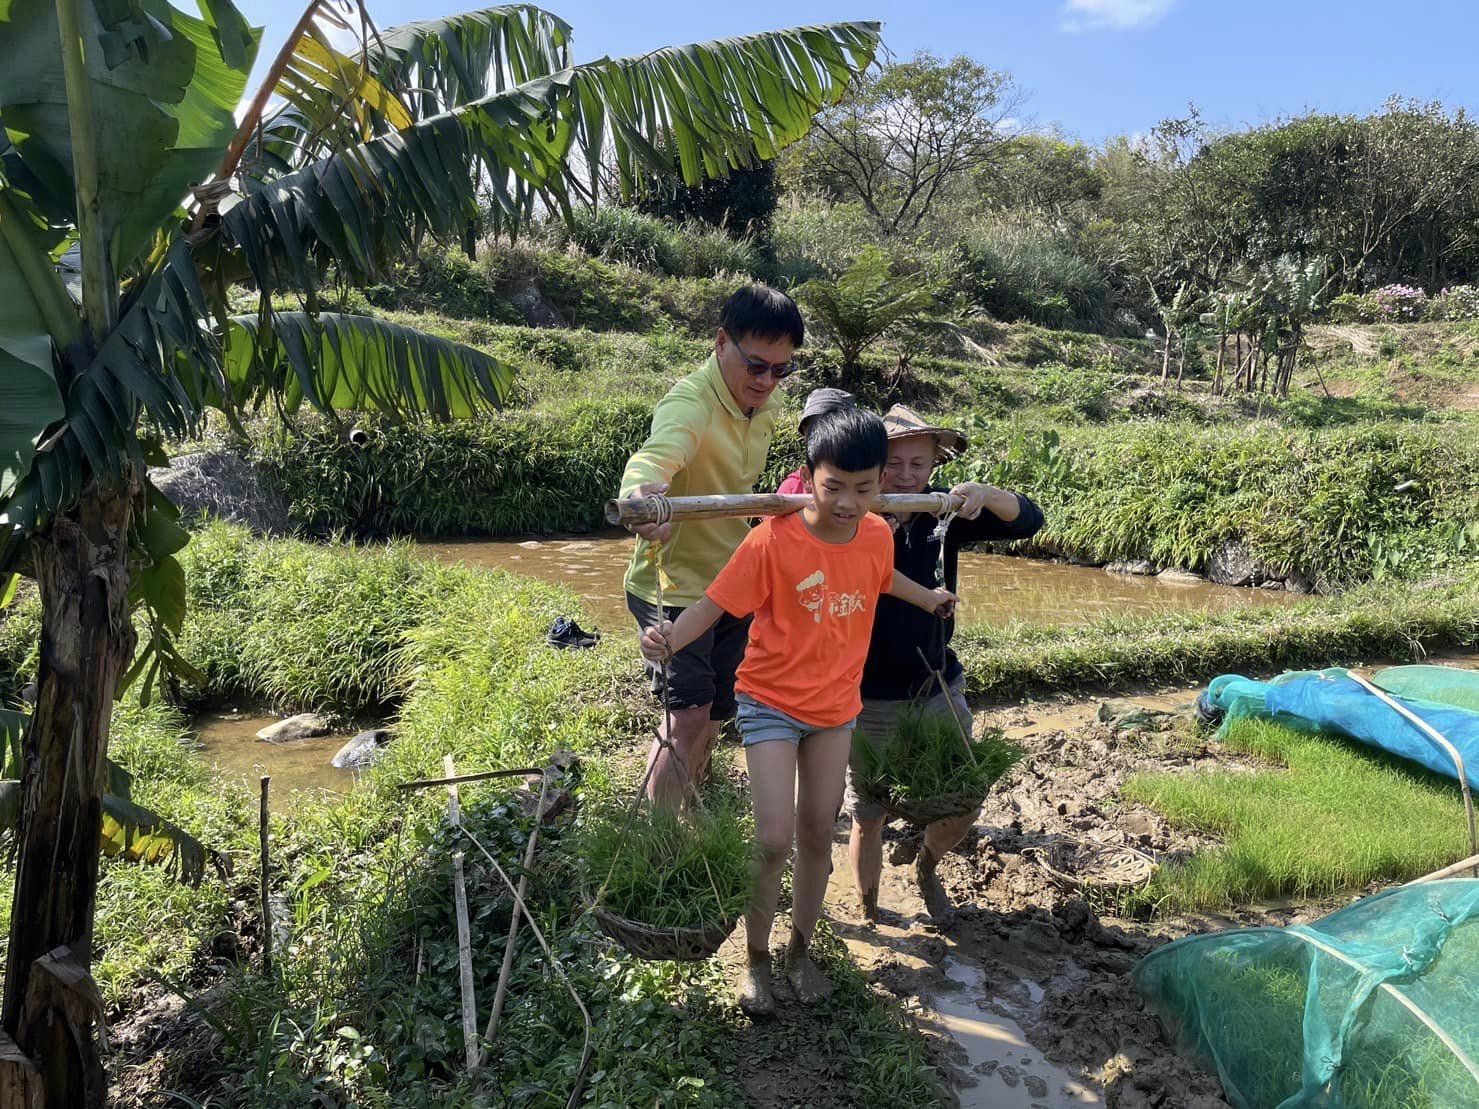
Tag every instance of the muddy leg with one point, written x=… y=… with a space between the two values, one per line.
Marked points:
x=821 y=763
x=865 y=849
x=772 y=767
x=670 y=782
x=939 y=838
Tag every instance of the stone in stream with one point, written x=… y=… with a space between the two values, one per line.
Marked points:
x=1141 y=566
x=1179 y=576
x=1231 y=564
x=306 y=725
x=363 y=750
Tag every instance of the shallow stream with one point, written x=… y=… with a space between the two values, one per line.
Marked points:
x=997 y=589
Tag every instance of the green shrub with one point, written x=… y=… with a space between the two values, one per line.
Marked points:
x=1029 y=271
x=660 y=246
x=509 y=473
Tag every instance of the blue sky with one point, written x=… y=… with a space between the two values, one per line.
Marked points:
x=1095 y=68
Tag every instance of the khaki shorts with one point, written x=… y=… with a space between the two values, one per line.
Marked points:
x=877 y=719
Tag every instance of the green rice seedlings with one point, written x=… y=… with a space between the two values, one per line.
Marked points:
x=925 y=757
x=668 y=872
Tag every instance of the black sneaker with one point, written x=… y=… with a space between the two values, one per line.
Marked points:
x=1208 y=711
x=566 y=634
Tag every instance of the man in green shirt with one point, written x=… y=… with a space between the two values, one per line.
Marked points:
x=710 y=434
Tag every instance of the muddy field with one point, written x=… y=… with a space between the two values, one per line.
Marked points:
x=1025 y=992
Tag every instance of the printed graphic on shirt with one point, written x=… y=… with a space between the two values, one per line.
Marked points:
x=813 y=595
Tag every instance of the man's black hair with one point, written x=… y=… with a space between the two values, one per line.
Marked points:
x=763 y=312
x=848 y=439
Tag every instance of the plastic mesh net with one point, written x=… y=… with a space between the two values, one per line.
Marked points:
x=1373 y=1007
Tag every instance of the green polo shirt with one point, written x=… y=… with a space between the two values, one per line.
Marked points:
x=702 y=442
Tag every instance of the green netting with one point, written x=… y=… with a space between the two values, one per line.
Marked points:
x=1443 y=685
x=1373 y=1007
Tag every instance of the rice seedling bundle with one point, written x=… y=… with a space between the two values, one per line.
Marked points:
x=668 y=873
x=924 y=757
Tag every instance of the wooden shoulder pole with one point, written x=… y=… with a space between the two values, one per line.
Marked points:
x=636 y=511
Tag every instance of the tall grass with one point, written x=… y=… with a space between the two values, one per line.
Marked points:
x=1338 y=506
x=1018 y=269
x=1334 y=816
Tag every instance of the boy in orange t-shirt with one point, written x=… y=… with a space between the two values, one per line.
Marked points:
x=813 y=581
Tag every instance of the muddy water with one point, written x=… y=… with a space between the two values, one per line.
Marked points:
x=997 y=588
x=229 y=743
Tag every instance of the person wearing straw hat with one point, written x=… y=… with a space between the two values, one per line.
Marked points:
x=895 y=675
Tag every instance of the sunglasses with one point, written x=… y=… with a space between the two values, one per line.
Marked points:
x=758 y=367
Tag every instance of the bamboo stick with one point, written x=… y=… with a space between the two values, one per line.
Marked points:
x=1448 y=871
x=501 y=993
x=464 y=929
x=266 y=899
x=636 y=511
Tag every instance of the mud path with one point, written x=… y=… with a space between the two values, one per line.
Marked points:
x=1026 y=991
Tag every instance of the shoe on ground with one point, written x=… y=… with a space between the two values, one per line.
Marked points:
x=565 y=634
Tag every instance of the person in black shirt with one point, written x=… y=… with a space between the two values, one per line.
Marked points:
x=894 y=675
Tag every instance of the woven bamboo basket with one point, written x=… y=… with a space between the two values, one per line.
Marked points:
x=680 y=945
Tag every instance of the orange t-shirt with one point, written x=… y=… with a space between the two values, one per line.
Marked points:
x=813 y=604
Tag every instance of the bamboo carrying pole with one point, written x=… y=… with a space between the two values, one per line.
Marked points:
x=464 y=929
x=637 y=511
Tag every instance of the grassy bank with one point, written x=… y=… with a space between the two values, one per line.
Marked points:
x=1395 y=622
x=362 y=1007
x=1336 y=506
x=1327 y=816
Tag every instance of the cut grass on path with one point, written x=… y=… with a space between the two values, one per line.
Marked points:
x=1329 y=816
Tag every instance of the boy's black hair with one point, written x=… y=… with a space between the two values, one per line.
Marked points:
x=848 y=439
x=763 y=312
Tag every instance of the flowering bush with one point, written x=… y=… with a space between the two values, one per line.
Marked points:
x=1457 y=302
x=1400 y=302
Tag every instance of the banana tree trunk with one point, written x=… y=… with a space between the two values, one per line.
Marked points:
x=51 y=1003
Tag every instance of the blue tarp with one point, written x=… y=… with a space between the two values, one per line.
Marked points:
x=1331 y=701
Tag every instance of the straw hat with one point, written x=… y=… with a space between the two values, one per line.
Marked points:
x=901 y=422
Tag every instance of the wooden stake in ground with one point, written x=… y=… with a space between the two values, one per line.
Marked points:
x=464 y=930
x=501 y=993
x=266 y=899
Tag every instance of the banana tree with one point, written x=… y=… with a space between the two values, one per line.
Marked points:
x=131 y=199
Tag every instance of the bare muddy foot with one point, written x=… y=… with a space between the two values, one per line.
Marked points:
x=936 y=900
x=755 y=997
x=807 y=979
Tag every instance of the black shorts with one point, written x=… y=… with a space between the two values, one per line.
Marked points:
x=702 y=672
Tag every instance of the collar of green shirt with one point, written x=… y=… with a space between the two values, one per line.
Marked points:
x=714 y=376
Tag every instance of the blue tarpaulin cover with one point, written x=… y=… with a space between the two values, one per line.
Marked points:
x=1331 y=701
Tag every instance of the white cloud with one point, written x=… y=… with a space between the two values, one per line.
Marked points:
x=1115 y=15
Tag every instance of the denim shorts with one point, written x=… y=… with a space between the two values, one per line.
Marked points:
x=759 y=723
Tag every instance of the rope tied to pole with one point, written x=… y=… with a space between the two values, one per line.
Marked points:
x=664 y=737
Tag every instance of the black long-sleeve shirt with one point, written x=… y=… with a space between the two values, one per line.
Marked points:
x=894 y=671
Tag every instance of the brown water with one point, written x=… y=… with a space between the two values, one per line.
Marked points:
x=997 y=589
x=229 y=742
